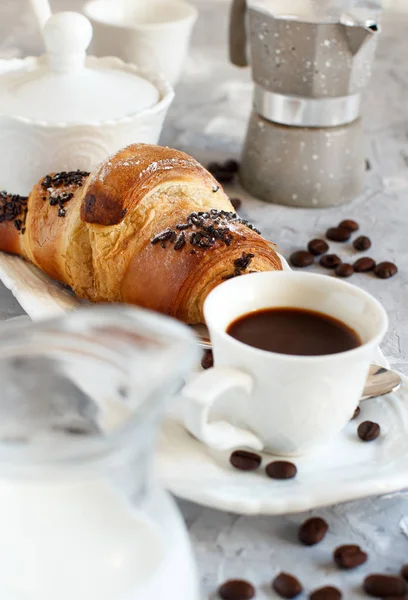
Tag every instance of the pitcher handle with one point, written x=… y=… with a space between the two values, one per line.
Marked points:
x=11 y=64
x=237 y=34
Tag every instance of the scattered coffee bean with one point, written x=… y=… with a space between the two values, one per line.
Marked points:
x=287 y=586
x=236 y=589
x=363 y=265
x=349 y=556
x=404 y=572
x=223 y=176
x=245 y=461
x=73 y=429
x=356 y=413
x=362 y=243
x=301 y=259
x=231 y=165
x=330 y=261
x=338 y=234
x=344 y=270
x=349 y=224
x=383 y=586
x=213 y=167
x=368 y=431
x=385 y=270
x=207 y=360
x=367 y=165
x=326 y=593
x=317 y=247
x=281 y=469
x=312 y=531
x=236 y=203
x=224 y=173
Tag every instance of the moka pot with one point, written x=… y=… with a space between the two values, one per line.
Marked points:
x=304 y=145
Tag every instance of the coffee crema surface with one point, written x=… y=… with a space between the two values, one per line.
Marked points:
x=295 y=331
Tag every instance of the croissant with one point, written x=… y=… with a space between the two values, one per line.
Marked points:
x=150 y=226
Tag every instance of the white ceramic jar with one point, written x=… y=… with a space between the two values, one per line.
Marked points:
x=66 y=111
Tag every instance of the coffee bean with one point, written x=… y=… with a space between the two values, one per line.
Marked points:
x=214 y=167
x=326 y=593
x=317 y=247
x=404 y=572
x=330 y=261
x=223 y=176
x=231 y=166
x=312 y=531
x=245 y=461
x=362 y=243
x=349 y=224
x=363 y=265
x=344 y=270
x=368 y=431
x=356 y=413
x=367 y=165
x=236 y=203
x=207 y=360
x=338 y=234
x=224 y=173
x=287 y=586
x=385 y=270
x=236 y=589
x=281 y=469
x=349 y=556
x=301 y=259
x=383 y=586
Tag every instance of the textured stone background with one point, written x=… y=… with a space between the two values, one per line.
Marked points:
x=208 y=119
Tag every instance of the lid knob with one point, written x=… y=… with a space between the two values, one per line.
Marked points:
x=67 y=36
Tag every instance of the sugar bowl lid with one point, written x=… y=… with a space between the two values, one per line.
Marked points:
x=66 y=86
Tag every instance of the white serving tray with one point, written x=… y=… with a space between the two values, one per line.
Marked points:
x=40 y=296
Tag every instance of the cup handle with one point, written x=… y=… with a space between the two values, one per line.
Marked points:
x=201 y=394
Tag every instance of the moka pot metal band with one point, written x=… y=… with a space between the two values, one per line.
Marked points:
x=298 y=111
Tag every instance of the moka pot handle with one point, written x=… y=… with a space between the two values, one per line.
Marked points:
x=237 y=34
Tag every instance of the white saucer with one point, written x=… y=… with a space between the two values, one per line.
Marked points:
x=346 y=470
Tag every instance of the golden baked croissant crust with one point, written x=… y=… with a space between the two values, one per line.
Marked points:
x=150 y=226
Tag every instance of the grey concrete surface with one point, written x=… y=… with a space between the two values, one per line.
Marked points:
x=208 y=119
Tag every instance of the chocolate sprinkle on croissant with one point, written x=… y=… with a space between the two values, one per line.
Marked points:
x=51 y=183
x=208 y=227
x=240 y=265
x=64 y=179
x=163 y=236
x=12 y=207
x=244 y=261
x=180 y=241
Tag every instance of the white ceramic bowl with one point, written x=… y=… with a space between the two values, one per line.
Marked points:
x=32 y=148
x=153 y=34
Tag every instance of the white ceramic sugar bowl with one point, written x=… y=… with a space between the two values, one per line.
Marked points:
x=67 y=111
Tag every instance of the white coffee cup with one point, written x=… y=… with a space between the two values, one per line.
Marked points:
x=294 y=404
x=153 y=34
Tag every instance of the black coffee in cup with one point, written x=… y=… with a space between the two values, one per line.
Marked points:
x=294 y=331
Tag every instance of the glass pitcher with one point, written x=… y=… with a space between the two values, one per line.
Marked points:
x=81 y=516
